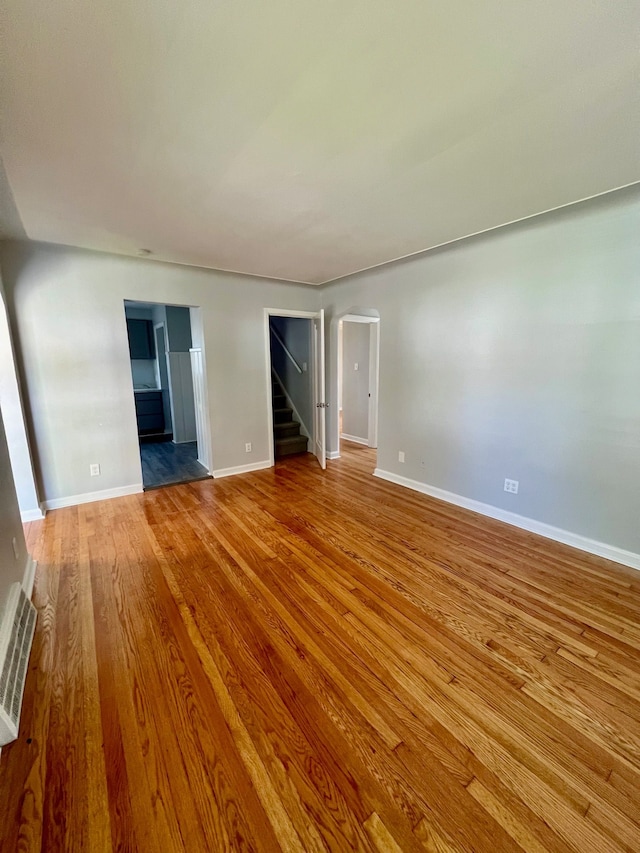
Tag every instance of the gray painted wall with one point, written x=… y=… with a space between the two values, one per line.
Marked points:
x=296 y=333
x=355 y=383
x=14 y=419
x=516 y=354
x=12 y=565
x=76 y=368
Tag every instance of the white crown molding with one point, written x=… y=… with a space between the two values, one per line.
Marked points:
x=582 y=543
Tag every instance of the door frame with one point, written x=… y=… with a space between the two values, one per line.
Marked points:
x=374 y=381
x=196 y=319
x=162 y=326
x=302 y=315
x=372 y=318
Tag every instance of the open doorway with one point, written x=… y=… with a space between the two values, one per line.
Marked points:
x=358 y=368
x=295 y=351
x=165 y=389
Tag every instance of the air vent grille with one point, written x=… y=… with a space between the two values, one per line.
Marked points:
x=22 y=615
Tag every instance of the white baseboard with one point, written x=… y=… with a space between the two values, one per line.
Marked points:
x=90 y=497
x=333 y=454
x=575 y=540
x=241 y=469
x=29 y=576
x=31 y=515
x=355 y=438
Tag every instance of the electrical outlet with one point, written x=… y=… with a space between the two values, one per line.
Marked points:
x=94 y=470
x=401 y=456
x=304 y=366
x=247 y=447
x=511 y=486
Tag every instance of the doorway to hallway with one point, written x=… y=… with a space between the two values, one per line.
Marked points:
x=358 y=368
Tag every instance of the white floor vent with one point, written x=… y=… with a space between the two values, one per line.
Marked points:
x=16 y=636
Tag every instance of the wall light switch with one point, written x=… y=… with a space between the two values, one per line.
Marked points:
x=247 y=447
x=355 y=366
x=94 y=470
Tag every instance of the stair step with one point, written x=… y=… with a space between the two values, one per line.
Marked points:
x=290 y=445
x=282 y=415
x=279 y=401
x=286 y=428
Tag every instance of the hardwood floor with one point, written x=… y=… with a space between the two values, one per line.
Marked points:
x=301 y=660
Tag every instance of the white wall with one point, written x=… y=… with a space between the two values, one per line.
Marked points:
x=355 y=383
x=516 y=354
x=76 y=361
x=13 y=414
x=12 y=565
x=143 y=372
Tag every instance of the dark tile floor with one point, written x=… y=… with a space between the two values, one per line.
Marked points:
x=164 y=463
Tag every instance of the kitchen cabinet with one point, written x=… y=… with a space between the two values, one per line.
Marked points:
x=141 y=344
x=149 y=411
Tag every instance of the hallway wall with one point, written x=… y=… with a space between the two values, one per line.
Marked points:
x=355 y=383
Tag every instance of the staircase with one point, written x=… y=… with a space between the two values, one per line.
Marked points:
x=287 y=439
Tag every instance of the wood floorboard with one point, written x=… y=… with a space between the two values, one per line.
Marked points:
x=299 y=660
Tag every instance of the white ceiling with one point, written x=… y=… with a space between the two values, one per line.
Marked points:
x=307 y=139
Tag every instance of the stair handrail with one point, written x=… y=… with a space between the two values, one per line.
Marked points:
x=286 y=349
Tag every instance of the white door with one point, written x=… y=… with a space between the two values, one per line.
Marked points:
x=320 y=425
